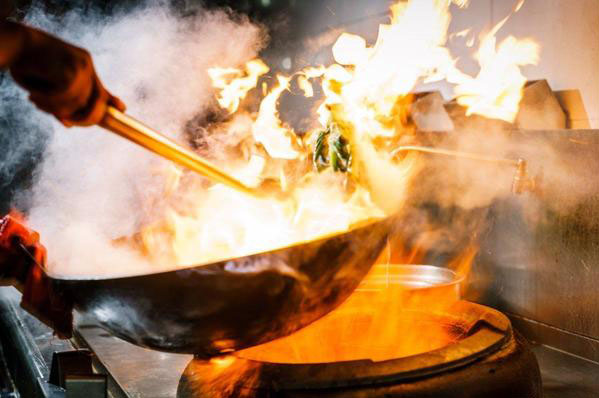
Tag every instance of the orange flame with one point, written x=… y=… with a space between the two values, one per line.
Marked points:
x=234 y=84
x=387 y=317
x=366 y=96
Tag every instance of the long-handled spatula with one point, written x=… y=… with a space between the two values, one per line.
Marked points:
x=133 y=130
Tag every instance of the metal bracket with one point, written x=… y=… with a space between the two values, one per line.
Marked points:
x=73 y=371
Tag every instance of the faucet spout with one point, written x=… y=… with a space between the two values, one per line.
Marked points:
x=521 y=183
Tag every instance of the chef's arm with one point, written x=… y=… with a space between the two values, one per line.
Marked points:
x=22 y=263
x=60 y=77
x=11 y=41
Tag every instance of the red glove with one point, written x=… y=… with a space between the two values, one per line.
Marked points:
x=22 y=259
x=60 y=77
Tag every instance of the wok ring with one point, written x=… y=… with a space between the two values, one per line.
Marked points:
x=212 y=309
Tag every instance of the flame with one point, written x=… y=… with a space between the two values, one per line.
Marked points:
x=304 y=84
x=387 y=317
x=366 y=95
x=462 y=265
x=268 y=129
x=497 y=89
x=220 y=378
x=412 y=49
x=224 y=224
x=234 y=84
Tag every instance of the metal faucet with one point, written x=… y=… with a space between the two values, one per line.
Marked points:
x=521 y=183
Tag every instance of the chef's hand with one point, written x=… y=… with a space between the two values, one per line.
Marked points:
x=60 y=77
x=22 y=257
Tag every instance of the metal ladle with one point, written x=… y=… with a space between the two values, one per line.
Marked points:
x=137 y=132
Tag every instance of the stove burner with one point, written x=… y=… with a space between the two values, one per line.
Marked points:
x=489 y=361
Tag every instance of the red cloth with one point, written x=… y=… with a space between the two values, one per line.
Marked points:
x=22 y=262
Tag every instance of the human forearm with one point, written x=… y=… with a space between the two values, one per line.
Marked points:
x=11 y=41
x=59 y=76
x=22 y=265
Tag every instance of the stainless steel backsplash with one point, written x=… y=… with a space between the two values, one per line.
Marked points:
x=539 y=257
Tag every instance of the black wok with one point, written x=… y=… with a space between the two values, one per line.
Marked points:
x=212 y=309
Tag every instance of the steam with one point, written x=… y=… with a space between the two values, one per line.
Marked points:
x=23 y=134
x=94 y=188
x=91 y=185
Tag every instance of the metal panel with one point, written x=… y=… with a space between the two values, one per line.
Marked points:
x=137 y=371
x=28 y=345
x=541 y=255
x=572 y=343
x=566 y=376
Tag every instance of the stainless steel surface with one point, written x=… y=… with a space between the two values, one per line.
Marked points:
x=573 y=343
x=565 y=375
x=136 y=371
x=411 y=276
x=540 y=257
x=8 y=389
x=28 y=346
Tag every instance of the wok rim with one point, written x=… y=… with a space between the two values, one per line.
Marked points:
x=356 y=226
x=456 y=279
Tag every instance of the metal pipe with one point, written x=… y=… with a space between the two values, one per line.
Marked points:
x=457 y=154
x=521 y=183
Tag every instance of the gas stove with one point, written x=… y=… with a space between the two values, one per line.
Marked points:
x=490 y=359
x=485 y=359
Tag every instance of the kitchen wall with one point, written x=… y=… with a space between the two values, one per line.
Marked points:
x=568 y=32
x=539 y=258
x=545 y=271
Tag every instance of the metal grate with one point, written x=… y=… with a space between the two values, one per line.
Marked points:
x=7 y=386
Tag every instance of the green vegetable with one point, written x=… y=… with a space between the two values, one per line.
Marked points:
x=332 y=150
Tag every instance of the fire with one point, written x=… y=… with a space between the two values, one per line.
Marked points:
x=385 y=318
x=235 y=83
x=365 y=99
x=223 y=224
x=268 y=129
x=221 y=378
x=497 y=90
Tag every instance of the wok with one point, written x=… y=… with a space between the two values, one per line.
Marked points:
x=212 y=309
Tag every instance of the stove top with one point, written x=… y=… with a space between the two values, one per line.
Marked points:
x=136 y=372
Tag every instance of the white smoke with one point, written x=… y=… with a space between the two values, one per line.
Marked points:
x=92 y=184
x=93 y=187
